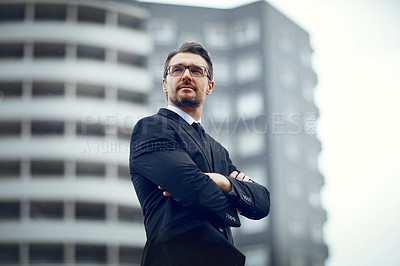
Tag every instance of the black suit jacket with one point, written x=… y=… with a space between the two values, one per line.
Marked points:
x=192 y=227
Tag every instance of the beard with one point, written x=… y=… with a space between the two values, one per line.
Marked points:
x=179 y=101
x=192 y=102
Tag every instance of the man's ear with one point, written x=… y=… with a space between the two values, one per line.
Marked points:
x=164 y=85
x=210 y=87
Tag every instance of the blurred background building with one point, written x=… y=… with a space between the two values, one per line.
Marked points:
x=73 y=79
x=76 y=75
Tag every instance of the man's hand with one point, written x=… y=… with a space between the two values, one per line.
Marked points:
x=240 y=176
x=165 y=193
x=221 y=181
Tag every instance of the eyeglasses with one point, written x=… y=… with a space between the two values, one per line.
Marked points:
x=195 y=71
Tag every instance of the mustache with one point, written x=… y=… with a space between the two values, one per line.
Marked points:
x=186 y=84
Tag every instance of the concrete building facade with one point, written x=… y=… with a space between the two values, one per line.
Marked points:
x=70 y=94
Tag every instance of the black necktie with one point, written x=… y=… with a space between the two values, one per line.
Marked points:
x=200 y=130
x=204 y=139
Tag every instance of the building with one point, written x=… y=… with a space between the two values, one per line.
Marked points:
x=262 y=109
x=70 y=93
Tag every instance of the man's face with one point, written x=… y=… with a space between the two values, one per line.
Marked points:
x=186 y=90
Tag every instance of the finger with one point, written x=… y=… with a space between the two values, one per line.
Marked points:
x=166 y=193
x=234 y=174
x=246 y=179
x=240 y=176
x=160 y=188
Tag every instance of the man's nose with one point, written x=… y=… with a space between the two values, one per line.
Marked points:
x=186 y=74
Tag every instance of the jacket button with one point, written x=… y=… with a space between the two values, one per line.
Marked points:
x=221 y=229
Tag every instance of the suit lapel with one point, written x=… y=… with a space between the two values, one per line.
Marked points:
x=204 y=147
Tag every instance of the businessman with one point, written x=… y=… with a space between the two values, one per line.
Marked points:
x=189 y=190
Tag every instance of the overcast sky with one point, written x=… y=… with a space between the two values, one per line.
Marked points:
x=357 y=59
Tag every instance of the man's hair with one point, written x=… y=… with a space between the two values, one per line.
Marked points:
x=194 y=48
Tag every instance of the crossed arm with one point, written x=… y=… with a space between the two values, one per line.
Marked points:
x=253 y=210
x=221 y=181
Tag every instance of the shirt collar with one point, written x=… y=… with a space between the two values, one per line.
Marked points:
x=183 y=114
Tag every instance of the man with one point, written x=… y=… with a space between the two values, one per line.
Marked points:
x=189 y=190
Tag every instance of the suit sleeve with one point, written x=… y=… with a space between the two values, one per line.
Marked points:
x=158 y=156
x=250 y=198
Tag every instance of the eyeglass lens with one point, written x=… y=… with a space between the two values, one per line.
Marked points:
x=178 y=70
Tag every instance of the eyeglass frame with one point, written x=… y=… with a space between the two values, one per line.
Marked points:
x=167 y=71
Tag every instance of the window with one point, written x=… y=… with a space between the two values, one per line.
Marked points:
x=287 y=75
x=45 y=209
x=9 y=210
x=123 y=172
x=291 y=148
x=163 y=31
x=130 y=22
x=46 y=253
x=10 y=89
x=50 y=12
x=51 y=50
x=11 y=50
x=311 y=157
x=47 y=128
x=316 y=232
x=285 y=39
x=157 y=65
x=85 y=210
x=246 y=32
x=47 y=168
x=307 y=89
x=131 y=59
x=250 y=144
x=47 y=89
x=90 y=129
x=92 y=91
x=219 y=109
x=314 y=196
x=10 y=168
x=130 y=255
x=222 y=70
x=131 y=96
x=12 y=12
x=91 y=14
x=124 y=132
x=305 y=56
x=10 y=128
x=217 y=35
x=250 y=104
x=90 y=253
x=129 y=214
x=9 y=254
x=293 y=185
x=90 y=52
x=90 y=169
x=248 y=68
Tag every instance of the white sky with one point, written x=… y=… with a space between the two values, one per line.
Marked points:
x=357 y=59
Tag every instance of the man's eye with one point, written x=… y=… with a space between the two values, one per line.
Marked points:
x=176 y=69
x=196 y=70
